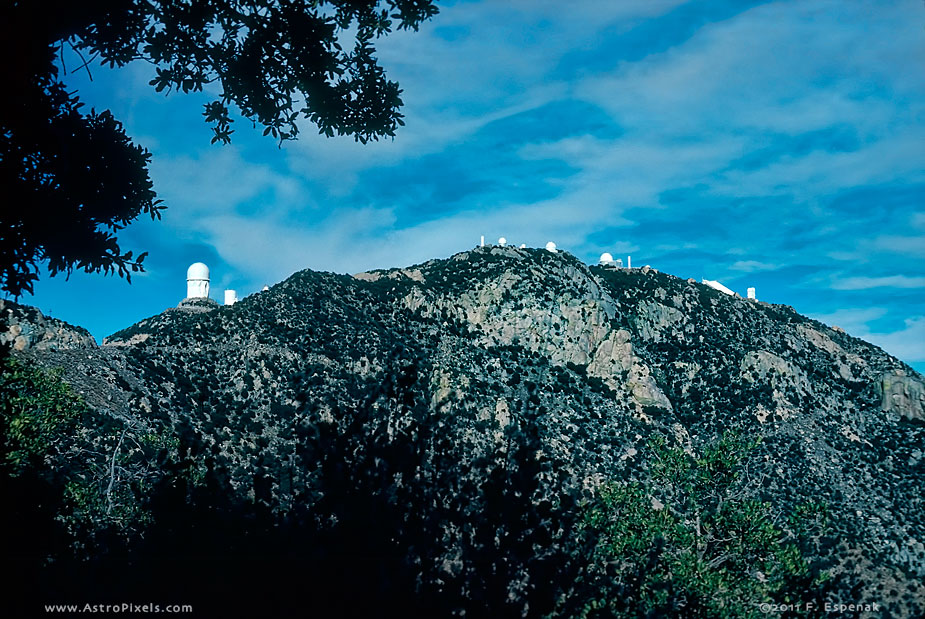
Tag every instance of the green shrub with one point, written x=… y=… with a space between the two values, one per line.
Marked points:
x=97 y=469
x=37 y=415
x=686 y=541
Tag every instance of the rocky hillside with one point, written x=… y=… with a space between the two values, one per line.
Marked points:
x=26 y=328
x=436 y=430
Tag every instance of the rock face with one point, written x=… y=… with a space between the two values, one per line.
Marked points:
x=904 y=395
x=447 y=361
x=26 y=328
x=197 y=304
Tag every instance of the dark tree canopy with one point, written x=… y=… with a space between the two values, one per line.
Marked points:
x=72 y=178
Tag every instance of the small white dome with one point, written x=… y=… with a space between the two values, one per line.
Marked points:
x=606 y=258
x=523 y=246
x=502 y=241
x=197 y=270
x=550 y=246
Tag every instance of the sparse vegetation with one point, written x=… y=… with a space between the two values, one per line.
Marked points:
x=689 y=541
x=477 y=442
x=95 y=469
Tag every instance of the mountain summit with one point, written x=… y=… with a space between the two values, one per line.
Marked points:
x=437 y=433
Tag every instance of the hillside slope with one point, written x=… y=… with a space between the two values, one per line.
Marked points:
x=472 y=404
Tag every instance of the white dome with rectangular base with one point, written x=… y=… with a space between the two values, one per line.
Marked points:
x=197 y=281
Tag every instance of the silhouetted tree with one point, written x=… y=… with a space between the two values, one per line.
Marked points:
x=71 y=179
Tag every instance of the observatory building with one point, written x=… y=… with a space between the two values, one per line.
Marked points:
x=197 y=281
x=715 y=285
x=609 y=262
x=197 y=289
x=718 y=286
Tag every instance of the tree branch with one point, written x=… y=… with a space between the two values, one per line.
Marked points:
x=112 y=471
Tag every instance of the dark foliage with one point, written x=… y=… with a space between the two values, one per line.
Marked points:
x=72 y=179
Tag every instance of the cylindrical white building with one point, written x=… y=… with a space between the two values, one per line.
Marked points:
x=197 y=281
x=231 y=297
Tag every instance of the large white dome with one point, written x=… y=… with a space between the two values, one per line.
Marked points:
x=606 y=258
x=550 y=246
x=197 y=270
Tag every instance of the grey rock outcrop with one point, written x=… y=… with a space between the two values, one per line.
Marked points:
x=903 y=394
x=26 y=328
x=197 y=304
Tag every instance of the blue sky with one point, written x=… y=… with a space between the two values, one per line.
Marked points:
x=779 y=145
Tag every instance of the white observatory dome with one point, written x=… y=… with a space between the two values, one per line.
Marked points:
x=502 y=241
x=197 y=281
x=197 y=270
x=550 y=246
x=606 y=258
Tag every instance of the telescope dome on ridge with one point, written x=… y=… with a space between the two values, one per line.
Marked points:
x=197 y=270
x=197 y=281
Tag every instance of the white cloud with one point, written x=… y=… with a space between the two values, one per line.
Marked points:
x=752 y=266
x=220 y=180
x=853 y=320
x=908 y=245
x=336 y=163
x=270 y=249
x=889 y=281
x=906 y=343
x=349 y=240
x=718 y=88
x=452 y=88
x=688 y=112
x=854 y=255
x=883 y=249
x=621 y=247
x=823 y=173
